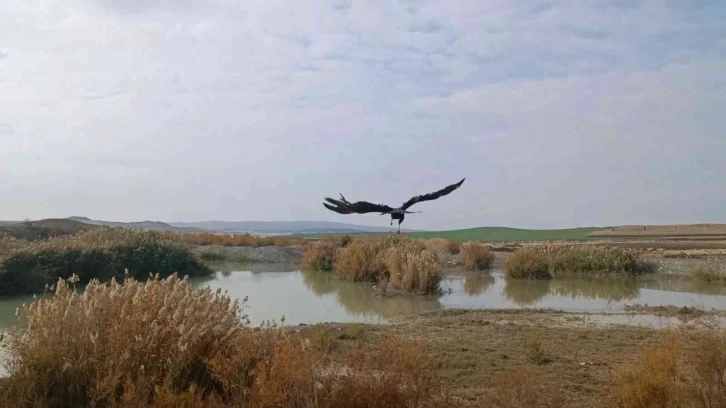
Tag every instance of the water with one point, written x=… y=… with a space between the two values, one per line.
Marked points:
x=275 y=290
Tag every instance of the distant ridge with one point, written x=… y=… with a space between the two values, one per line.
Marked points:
x=283 y=227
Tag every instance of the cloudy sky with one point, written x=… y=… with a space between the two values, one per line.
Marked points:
x=559 y=113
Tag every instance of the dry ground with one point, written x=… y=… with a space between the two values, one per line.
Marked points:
x=472 y=350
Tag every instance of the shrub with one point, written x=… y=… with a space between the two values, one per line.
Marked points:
x=453 y=247
x=649 y=380
x=710 y=272
x=527 y=263
x=436 y=244
x=547 y=261
x=413 y=268
x=522 y=388
x=320 y=256
x=364 y=258
x=477 y=256
x=165 y=343
x=102 y=253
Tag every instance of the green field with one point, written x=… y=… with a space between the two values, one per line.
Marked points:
x=497 y=234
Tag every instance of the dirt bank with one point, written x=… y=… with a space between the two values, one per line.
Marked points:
x=472 y=350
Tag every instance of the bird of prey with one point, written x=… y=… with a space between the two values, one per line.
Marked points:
x=343 y=206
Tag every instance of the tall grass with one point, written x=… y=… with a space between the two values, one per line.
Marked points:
x=413 y=269
x=241 y=239
x=552 y=261
x=165 y=343
x=477 y=256
x=442 y=245
x=28 y=266
x=320 y=255
x=397 y=262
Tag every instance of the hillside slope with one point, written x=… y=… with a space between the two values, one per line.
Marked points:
x=33 y=230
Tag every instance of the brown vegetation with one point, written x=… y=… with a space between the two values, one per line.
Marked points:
x=320 y=255
x=245 y=239
x=476 y=255
x=552 y=261
x=442 y=245
x=397 y=262
x=164 y=343
x=686 y=369
x=413 y=269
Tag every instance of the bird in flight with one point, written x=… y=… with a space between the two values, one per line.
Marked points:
x=343 y=206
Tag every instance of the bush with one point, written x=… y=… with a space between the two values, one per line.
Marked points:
x=527 y=263
x=453 y=247
x=100 y=253
x=547 y=261
x=477 y=256
x=165 y=343
x=413 y=268
x=320 y=256
x=364 y=258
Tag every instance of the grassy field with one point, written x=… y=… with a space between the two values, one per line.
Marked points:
x=497 y=234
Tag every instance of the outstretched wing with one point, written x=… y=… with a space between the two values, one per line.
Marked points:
x=432 y=196
x=343 y=206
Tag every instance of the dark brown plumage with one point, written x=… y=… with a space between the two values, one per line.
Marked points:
x=343 y=206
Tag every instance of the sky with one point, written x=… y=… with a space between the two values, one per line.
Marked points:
x=558 y=113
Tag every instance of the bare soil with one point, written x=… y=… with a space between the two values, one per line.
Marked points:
x=472 y=350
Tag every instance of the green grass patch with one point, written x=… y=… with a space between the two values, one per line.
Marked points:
x=489 y=234
x=28 y=266
x=508 y=234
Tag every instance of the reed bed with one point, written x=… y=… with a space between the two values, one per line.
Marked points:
x=412 y=269
x=164 y=343
x=320 y=255
x=442 y=245
x=242 y=239
x=396 y=262
x=553 y=261
x=476 y=255
x=28 y=266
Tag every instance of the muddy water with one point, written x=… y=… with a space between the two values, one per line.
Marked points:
x=274 y=290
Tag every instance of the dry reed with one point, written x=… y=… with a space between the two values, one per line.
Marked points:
x=552 y=260
x=413 y=269
x=477 y=256
x=165 y=343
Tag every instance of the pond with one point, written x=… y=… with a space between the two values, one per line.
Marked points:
x=274 y=290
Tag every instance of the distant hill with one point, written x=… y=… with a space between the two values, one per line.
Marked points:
x=147 y=225
x=33 y=230
x=283 y=227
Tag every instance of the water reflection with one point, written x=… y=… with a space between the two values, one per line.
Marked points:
x=477 y=283
x=605 y=289
x=274 y=290
x=526 y=292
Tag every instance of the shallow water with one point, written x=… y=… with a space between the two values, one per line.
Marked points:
x=275 y=290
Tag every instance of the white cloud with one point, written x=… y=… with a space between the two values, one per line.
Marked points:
x=558 y=114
